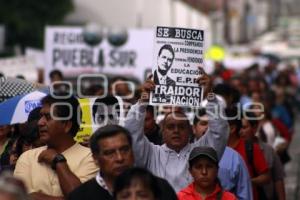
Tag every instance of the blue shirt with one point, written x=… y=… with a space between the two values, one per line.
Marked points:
x=234 y=176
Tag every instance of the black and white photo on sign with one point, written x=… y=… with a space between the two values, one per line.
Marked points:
x=107 y=111
x=178 y=52
x=165 y=60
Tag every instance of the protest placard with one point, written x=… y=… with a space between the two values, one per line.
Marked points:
x=98 y=112
x=178 y=52
x=19 y=65
x=66 y=50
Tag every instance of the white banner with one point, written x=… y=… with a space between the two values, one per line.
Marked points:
x=67 y=51
x=37 y=55
x=20 y=65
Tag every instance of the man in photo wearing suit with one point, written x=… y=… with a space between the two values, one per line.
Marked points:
x=106 y=111
x=165 y=59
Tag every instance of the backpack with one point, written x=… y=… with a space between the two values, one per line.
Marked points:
x=249 y=152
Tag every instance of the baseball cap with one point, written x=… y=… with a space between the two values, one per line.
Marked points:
x=204 y=151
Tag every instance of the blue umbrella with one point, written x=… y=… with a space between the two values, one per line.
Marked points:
x=17 y=109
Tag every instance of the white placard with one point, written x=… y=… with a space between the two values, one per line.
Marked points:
x=178 y=52
x=20 y=65
x=37 y=55
x=67 y=51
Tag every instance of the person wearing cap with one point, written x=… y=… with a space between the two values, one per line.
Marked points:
x=233 y=173
x=169 y=161
x=203 y=166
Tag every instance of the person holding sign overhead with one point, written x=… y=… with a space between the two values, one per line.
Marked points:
x=165 y=59
x=170 y=160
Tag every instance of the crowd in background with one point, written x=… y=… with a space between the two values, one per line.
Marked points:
x=274 y=90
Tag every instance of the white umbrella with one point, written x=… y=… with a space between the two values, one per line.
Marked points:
x=17 y=109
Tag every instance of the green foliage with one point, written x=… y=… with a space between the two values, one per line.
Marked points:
x=25 y=20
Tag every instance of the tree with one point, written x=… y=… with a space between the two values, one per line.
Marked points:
x=25 y=20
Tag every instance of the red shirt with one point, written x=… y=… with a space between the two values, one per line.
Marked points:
x=283 y=129
x=190 y=193
x=259 y=161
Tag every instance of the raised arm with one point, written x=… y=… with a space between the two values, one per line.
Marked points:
x=217 y=133
x=134 y=122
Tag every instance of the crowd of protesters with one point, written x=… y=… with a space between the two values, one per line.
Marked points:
x=159 y=156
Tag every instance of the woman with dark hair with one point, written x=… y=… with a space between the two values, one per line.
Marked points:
x=26 y=137
x=138 y=183
x=275 y=188
x=20 y=145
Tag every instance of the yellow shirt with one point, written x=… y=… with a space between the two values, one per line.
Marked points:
x=39 y=177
